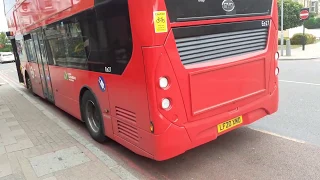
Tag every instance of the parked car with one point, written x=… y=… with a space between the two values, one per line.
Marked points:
x=6 y=57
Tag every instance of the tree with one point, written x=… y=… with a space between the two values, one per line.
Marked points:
x=291 y=14
x=313 y=22
x=3 y=39
x=4 y=45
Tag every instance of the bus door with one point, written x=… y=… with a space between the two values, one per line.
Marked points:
x=43 y=65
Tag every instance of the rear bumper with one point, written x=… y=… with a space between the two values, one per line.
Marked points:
x=176 y=140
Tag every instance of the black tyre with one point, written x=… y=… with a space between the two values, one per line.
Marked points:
x=29 y=84
x=92 y=116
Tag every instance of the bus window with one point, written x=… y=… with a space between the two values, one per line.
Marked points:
x=108 y=33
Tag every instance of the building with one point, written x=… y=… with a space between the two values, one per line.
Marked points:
x=313 y=5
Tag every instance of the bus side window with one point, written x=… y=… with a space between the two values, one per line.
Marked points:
x=65 y=44
x=110 y=44
x=20 y=49
x=97 y=39
x=29 y=48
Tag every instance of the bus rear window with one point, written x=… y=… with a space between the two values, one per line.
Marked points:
x=191 y=10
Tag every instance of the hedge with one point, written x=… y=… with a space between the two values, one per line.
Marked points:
x=312 y=23
x=297 y=39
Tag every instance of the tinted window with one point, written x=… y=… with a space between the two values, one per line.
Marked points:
x=187 y=10
x=31 y=51
x=36 y=46
x=21 y=50
x=98 y=39
x=66 y=45
x=29 y=47
x=108 y=36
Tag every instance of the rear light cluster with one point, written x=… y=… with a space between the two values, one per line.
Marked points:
x=276 y=56
x=276 y=71
x=164 y=84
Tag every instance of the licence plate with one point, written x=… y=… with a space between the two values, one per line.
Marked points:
x=229 y=124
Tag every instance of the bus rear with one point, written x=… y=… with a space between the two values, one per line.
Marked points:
x=211 y=67
x=167 y=75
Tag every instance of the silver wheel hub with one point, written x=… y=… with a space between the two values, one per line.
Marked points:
x=92 y=116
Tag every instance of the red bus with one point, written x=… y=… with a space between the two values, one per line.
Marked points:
x=159 y=77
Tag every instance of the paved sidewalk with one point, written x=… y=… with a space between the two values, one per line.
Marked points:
x=34 y=144
x=312 y=51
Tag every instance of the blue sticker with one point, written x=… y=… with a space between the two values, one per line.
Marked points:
x=102 y=84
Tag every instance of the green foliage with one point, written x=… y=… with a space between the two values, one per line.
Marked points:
x=291 y=14
x=7 y=48
x=312 y=23
x=297 y=39
x=312 y=14
x=5 y=45
x=3 y=38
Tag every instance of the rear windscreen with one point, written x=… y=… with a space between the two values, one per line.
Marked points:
x=191 y=10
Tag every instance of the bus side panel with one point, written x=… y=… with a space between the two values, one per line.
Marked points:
x=34 y=75
x=62 y=90
x=67 y=92
x=124 y=103
x=141 y=14
x=90 y=80
x=129 y=103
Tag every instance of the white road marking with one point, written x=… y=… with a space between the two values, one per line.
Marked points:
x=277 y=135
x=297 y=82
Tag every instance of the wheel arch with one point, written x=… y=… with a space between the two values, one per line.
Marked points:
x=82 y=91
x=25 y=76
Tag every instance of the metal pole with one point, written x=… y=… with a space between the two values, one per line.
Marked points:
x=304 y=38
x=281 y=27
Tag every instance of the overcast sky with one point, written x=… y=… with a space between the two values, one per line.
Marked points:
x=3 y=21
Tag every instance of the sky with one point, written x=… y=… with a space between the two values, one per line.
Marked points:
x=3 y=21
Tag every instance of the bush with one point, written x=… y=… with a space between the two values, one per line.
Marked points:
x=312 y=23
x=6 y=48
x=297 y=39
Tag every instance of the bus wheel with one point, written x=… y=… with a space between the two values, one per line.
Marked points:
x=28 y=83
x=91 y=115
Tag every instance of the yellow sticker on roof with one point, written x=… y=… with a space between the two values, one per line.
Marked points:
x=160 y=21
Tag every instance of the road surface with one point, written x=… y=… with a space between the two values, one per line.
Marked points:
x=283 y=146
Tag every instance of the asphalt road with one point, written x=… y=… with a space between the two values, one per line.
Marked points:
x=283 y=146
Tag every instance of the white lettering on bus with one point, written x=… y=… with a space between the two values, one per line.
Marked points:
x=107 y=69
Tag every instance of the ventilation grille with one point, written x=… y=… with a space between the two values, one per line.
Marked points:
x=126 y=123
x=216 y=46
x=125 y=115
x=128 y=131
